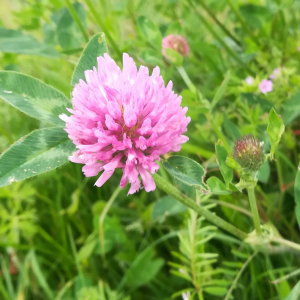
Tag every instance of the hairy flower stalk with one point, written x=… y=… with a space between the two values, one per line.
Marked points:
x=124 y=119
x=249 y=153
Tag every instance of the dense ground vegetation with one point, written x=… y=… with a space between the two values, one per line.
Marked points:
x=63 y=238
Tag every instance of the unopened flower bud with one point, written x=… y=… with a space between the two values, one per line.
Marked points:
x=177 y=43
x=249 y=153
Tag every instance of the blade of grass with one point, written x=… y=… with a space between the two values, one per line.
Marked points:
x=7 y=279
x=238 y=276
x=73 y=247
x=3 y=291
x=39 y=276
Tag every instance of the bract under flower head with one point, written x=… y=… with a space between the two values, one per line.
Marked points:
x=124 y=119
x=249 y=153
x=177 y=43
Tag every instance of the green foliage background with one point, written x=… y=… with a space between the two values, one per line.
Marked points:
x=63 y=238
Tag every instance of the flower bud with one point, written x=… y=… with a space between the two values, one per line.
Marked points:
x=177 y=43
x=249 y=153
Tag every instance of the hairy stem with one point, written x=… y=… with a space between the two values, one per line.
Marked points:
x=254 y=210
x=172 y=191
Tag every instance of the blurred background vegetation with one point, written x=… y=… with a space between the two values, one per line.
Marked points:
x=63 y=238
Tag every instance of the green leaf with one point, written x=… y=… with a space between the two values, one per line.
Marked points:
x=233 y=164
x=294 y=295
x=275 y=129
x=114 y=234
x=255 y=16
x=224 y=168
x=167 y=206
x=217 y=186
x=33 y=97
x=15 y=41
x=39 y=152
x=68 y=33
x=87 y=249
x=254 y=100
x=150 y=31
x=185 y=170
x=174 y=28
x=291 y=109
x=143 y=269
x=174 y=57
x=230 y=128
x=94 y=48
x=297 y=194
x=220 y=91
x=264 y=173
x=151 y=57
x=216 y=290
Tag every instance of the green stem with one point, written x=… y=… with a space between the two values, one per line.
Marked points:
x=77 y=19
x=220 y=39
x=103 y=27
x=172 y=191
x=286 y=242
x=254 y=210
x=186 y=79
x=73 y=247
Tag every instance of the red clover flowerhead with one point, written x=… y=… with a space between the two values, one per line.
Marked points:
x=249 y=153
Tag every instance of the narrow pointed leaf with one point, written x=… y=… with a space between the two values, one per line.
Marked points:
x=217 y=186
x=39 y=152
x=186 y=170
x=275 y=129
x=224 y=168
x=33 y=97
x=94 y=48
